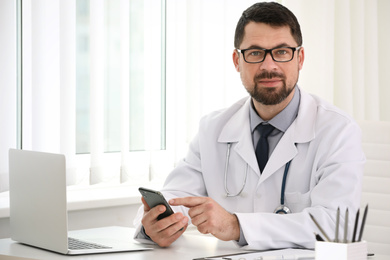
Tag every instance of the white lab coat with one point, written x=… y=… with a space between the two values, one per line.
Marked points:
x=326 y=172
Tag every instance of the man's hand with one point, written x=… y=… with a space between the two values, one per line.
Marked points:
x=165 y=231
x=209 y=217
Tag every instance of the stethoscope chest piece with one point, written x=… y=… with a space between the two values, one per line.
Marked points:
x=282 y=209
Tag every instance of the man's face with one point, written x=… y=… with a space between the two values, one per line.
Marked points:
x=268 y=82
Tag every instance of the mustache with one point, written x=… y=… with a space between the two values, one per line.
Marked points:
x=269 y=75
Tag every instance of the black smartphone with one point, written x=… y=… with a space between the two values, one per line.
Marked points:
x=154 y=198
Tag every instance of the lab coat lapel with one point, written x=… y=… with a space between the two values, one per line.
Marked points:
x=284 y=151
x=237 y=130
x=302 y=130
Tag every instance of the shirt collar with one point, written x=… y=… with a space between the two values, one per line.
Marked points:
x=281 y=121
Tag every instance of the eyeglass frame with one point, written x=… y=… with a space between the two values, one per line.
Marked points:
x=270 y=52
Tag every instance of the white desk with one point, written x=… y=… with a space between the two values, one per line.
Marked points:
x=191 y=245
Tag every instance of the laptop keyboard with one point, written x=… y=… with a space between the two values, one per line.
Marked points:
x=76 y=244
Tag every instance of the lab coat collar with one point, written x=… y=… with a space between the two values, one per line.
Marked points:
x=302 y=130
x=237 y=131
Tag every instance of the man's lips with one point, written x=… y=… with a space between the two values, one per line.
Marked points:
x=269 y=82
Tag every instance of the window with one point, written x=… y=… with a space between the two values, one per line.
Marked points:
x=120 y=64
x=94 y=86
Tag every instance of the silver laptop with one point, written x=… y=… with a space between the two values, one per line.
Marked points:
x=38 y=206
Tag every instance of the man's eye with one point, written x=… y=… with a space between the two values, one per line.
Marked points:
x=255 y=53
x=281 y=52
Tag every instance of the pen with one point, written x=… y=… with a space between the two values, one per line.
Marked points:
x=282 y=257
x=355 y=227
x=363 y=223
x=217 y=258
x=319 y=227
x=346 y=226
x=336 y=239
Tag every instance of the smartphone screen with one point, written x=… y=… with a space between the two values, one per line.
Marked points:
x=154 y=198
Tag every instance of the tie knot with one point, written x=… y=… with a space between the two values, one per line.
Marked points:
x=265 y=130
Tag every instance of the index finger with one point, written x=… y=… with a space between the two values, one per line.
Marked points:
x=154 y=212
x=188 y=202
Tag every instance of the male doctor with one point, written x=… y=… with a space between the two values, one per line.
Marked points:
x=230 y=183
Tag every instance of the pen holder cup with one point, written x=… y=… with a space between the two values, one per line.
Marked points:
x=341 y=251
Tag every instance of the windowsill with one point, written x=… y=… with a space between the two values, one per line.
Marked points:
x=92 y=197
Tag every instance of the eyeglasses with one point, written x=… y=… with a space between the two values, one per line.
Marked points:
x=280 y=54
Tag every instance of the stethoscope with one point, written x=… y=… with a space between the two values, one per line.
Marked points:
x=282 y=209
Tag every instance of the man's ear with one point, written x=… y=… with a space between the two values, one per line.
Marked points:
x=301 y=57
x=236 y=60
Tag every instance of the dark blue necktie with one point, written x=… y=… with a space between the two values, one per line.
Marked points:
x=262 y=149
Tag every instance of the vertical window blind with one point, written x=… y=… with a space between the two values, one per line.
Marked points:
x=8 y=86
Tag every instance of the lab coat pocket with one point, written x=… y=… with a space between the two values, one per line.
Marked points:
x=297 y=201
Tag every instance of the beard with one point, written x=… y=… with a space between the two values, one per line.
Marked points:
x=270 y=96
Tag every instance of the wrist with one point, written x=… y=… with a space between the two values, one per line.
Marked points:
x=236 y=228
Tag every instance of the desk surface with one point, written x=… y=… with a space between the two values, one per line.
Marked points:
x=189 y=246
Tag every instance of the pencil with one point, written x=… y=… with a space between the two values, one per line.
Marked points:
x=320 y=228
x=346 y=226
x=356 y=226
x=363 y=223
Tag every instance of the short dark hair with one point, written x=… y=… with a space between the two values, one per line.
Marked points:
x=270 y=13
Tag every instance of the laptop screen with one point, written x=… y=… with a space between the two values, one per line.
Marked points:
x=38 y=209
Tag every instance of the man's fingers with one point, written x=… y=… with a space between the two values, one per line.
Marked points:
x=197 y=219
x=172 y=224
x=152 y=214
x=150 y=219
x=173 y=219
x=168 y=236
x=166 y=230
x=188 y=202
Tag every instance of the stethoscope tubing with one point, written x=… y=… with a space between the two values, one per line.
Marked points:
x=228 y=194
x=283 y=188
x=284 y=182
